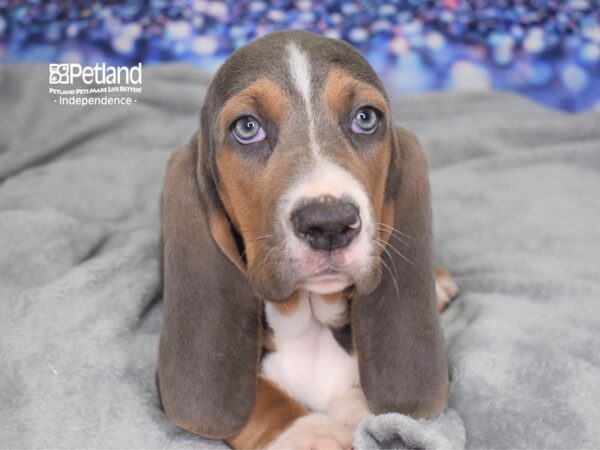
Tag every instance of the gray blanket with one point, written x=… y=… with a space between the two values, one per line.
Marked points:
x=516 y=199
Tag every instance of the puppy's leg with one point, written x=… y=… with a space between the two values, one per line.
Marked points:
x=350 y=408
x=445 y=288
x=279 y=421
x=274 y=411
x=315 y=432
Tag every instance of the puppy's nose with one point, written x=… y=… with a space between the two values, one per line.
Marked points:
x=327 y=223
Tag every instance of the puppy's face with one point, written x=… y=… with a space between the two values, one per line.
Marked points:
x=296 y=135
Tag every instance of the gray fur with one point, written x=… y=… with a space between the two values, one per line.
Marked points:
x=208 y=354
x=396 y=330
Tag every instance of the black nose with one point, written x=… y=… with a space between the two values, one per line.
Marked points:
x=326 y=223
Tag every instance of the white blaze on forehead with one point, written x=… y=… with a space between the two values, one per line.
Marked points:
x=300 y=72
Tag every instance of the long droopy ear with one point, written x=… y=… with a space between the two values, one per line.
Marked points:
x=208 y=356
x=396 y=330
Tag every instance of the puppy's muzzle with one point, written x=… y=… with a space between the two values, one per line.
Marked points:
x=326 y=223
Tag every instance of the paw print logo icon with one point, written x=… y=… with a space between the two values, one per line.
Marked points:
x=59 y=73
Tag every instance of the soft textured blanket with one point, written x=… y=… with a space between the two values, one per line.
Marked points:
x=516 y=200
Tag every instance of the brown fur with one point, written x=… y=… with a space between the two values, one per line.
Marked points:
x=274 y=411
x=333 y=298
x=244 y=190
x=290 y=306
x=342 y=90
x=263 y=96
x=387 y=218
x=268 y=341
x=447 y=286
x=220 y=228
x=239 y=193
x=242 y=202
x=442 y=274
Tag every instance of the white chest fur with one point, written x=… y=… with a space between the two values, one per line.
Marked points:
x=309 y=363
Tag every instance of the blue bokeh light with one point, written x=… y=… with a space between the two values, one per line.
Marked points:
x=547 y=50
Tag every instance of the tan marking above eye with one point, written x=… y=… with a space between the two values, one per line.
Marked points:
x=263 y=97
x=342 y=91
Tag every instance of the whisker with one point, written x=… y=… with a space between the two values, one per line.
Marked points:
x=259 y=258
x=263 y=261
x=395 y=229
x=391 y=233
x=389 y=255
x=394 y=279
x=255 y=240
x=248 y=230
x=400 y=254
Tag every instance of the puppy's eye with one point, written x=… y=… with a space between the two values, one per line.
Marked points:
x=365 y=121
x=248 y=130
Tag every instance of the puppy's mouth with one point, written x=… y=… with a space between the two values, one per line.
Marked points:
x=327 y=281
x=279 y=276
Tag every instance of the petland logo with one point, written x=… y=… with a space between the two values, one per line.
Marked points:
x=77 y=85
x=98 y=74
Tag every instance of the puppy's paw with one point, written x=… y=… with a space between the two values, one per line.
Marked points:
x=315 y=432
x=350 y=408
x=445 y=288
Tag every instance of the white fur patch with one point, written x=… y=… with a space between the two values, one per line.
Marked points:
x=308 y=363
x=300 y=71
x=329 y=313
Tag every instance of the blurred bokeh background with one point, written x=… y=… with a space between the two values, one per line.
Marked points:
x=546 y=50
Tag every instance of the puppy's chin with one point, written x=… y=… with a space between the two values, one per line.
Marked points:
x=274 y=284
x=326 y=284
x=333 y=283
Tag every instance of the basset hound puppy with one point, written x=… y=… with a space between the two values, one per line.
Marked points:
x=299 y=287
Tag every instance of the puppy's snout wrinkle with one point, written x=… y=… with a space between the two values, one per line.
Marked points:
x=326 y=223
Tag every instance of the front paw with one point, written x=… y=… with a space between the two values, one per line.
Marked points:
x=349 y=409
x=315 y=432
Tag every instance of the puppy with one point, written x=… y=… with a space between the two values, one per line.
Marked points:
x=299 y=287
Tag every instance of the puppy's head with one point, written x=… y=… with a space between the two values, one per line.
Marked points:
x=297 y=179
x=296 y=137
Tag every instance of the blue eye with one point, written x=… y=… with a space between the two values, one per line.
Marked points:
x=248 y=130
x=365 y=121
